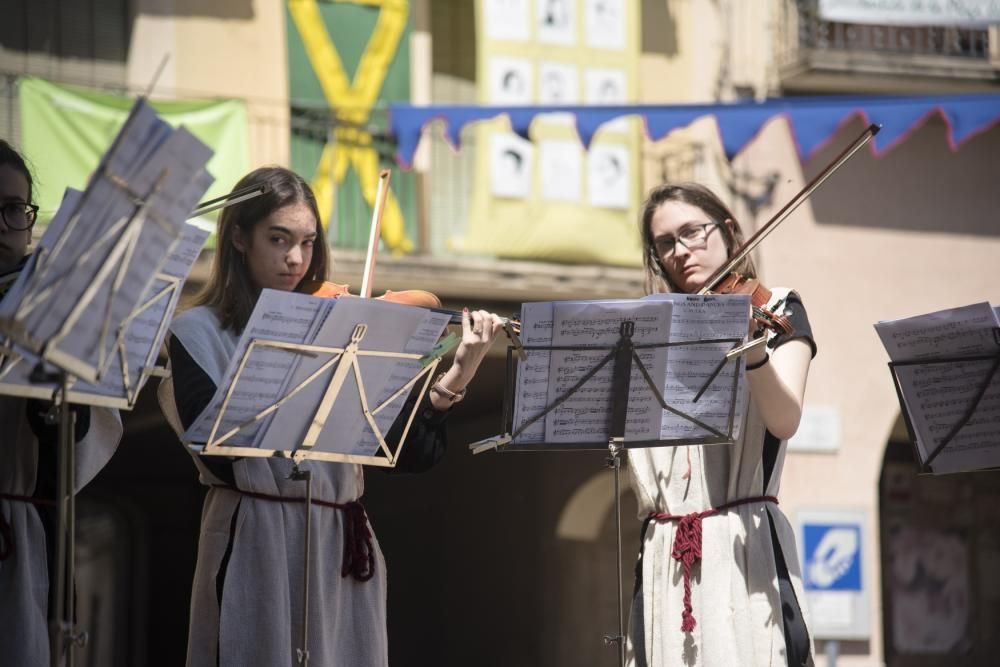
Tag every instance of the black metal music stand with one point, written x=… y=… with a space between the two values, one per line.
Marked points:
x=624 y=355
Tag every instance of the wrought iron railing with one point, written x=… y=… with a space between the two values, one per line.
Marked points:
x=805 y=38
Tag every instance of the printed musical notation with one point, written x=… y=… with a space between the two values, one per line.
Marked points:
x=936 y=396
x=701 y=318
x=270 y=374
x=682 y=370
x=142 y=336
x=589 y=409
x=111 y=242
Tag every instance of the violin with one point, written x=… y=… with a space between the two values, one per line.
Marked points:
x=410 y=297
x=727 y=281
x=760 y=296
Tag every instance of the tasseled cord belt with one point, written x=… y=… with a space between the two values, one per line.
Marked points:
x=6 y=532
x=687 y=544
x=359 y=553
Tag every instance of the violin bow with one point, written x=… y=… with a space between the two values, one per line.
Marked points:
x=788 y=208
x=375 y=233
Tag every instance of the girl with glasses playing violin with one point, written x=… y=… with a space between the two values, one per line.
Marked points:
x=245 y=607
x=28 y=462
x=718 y=581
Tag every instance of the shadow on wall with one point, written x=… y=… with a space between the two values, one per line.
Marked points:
x=920 y=185
x=98 y=31
x=659 y=29
x=221 y=9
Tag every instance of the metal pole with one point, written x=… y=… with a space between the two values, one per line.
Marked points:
x=832 y=650
x=62 y=630
x=615 y=462
x=303 y=650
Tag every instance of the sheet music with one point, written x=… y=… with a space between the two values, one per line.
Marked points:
x=585 y=415
x=142 y=337
x=688 y=367
x=545 y=375
x=391 y=327
x=279 y=316
x=533 y=372
x=96 y=257
x=271 y=374
x=936 y=396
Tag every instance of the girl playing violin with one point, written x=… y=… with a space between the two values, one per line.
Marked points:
x=741 y=603
x=244 y=608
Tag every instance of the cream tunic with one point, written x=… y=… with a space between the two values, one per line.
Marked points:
x=24 y=576
x=259 y=622
x=734 y=590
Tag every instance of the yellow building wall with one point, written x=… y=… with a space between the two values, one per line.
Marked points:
x=241 y=56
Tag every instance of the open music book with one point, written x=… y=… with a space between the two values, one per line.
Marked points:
x=945 y=368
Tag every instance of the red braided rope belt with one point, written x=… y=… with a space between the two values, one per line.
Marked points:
x=359 y=553
x=687 y=544
x=6 y=532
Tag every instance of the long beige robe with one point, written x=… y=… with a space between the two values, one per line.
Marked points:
x=734 y=590
x=24 y=575
x=260 y=619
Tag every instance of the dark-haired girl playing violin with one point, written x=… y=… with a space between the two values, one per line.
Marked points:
x=245 y=607
x=745 y=603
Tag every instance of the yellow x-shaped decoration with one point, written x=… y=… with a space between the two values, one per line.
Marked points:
x=352 y=103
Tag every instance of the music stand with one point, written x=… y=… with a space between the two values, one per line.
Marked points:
x=341 y=364
x=168 y=178
x=623 y=354
x=918 y=436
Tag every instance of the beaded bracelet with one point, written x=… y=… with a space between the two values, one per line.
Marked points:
x=444 y=392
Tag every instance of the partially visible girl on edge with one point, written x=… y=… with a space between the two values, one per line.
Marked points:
x=28 y=461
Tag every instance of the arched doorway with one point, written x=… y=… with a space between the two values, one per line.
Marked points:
x=940 y=559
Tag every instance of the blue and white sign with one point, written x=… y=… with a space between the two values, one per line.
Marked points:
x=831 y=549
x=832 y=554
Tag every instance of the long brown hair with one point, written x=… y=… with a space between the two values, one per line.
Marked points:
x=656 y=277
x=229 y=290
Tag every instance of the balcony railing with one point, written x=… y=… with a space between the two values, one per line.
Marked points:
x=809 y=44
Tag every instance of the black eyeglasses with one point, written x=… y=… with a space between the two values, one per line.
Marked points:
x=18 y=215
x=694 y=237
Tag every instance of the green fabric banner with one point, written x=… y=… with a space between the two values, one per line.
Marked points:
x=346 y=60
x=66 y=130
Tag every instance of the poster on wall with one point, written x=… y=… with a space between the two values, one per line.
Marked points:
x=560 y=166
x=511 y=165
x=558 y=84
x=556 y=21
x=609 y=182
x=604 y=86
x=929 y=584
x=604 y=24
x=510 y=81
x=507 y=20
